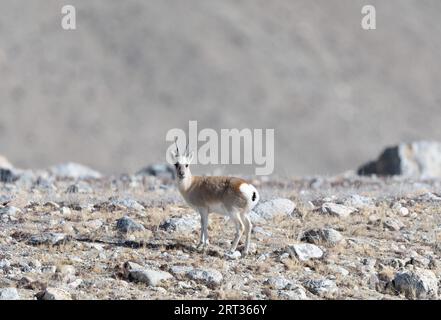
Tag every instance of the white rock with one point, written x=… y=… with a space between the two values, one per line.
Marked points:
x=4 y=163
x=359 y=202
x=275 y=207
x=338 y=210
x=148 y=276
x=306 y=251
x=65 y=211
x=9 y=294
x=404 y=211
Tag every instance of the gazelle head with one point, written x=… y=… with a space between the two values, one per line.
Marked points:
x=182 y=162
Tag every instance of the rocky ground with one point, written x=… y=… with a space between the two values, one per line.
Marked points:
x=69 y=233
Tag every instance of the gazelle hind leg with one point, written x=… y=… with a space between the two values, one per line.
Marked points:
x=248 y=227
x=235 y=216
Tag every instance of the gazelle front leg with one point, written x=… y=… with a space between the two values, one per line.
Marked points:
x=239 y=230
x=203 y=242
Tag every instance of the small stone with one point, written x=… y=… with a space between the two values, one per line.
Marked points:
x=321 y=287
x=278 y=283
x=52 y=205
x=404 y=211
x=5 y=264
x=393 y=224
x=65 y=211
x=233 y=255
x=66 y=270
x=126 y=225
x=326 y=236
x=54 y=294
x=338 y=210
x=9 y=294
x=49 y=269
x=306 y=251
x=209 y=277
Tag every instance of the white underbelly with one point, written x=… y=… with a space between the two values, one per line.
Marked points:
x=218 y=208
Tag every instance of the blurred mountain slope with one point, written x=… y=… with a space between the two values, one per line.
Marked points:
x=106 y=94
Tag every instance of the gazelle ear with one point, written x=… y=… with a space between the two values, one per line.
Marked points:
x=190 y=156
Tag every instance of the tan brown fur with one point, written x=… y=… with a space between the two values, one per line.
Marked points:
x=208 y=190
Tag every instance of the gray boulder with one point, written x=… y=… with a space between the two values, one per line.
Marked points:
x=161 y=170
x=417 y=159
x=417 y=284
x=8 y=176
x=74 y=171
x=127 y=225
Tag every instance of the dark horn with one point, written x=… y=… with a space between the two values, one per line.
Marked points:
x=177 y=150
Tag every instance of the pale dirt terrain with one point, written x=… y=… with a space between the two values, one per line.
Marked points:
x=379 y=240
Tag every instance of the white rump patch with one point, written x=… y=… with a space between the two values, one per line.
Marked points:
x=250 y=193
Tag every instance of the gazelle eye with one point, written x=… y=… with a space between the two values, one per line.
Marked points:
x=186 y=165
x=176 y=164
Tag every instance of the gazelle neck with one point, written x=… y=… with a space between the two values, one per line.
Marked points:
x=185 y=183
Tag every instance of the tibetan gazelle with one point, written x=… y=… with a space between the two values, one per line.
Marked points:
x=229 y=196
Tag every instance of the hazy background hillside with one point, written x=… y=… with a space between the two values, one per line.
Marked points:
x=106 y=94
